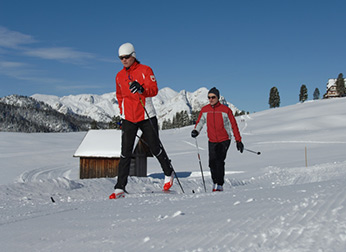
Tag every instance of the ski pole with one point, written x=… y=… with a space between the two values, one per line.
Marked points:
x=200 y=165
x=256 y=152
x=161 y=145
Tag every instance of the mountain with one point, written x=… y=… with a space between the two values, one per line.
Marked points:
x=103 y=107
x=49 y=113
x=25 y=114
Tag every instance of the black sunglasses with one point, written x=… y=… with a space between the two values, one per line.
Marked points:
x=211 y=97
x=125 y=56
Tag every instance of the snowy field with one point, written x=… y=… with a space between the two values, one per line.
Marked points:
x=275 y=201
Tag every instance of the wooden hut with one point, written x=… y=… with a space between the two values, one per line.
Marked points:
x=99 y=155
x=331 y=89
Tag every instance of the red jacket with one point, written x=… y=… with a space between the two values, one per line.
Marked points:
x=220 y=123
x=130 y=106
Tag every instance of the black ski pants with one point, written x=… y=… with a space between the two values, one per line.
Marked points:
x=217 y=156
x=149 y=128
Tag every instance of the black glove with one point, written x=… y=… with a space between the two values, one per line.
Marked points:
x=194 y=133
x=240 y=147
x=136 y=87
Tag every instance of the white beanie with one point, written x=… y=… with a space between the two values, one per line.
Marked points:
x=127 y=49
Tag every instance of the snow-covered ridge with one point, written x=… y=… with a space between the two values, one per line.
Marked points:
x=103 y=107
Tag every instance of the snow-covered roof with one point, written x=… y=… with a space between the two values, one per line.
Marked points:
x=101 y=143
x=331 y=82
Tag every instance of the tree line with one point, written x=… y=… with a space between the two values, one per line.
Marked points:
x=274 y=96
x=180 y=119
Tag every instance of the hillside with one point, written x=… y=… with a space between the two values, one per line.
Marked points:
x=25 y=114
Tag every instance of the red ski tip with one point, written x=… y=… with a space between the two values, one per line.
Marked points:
x=167 y=186
x=117 y=196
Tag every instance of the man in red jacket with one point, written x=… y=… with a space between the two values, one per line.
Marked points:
x=135 y=86
x=220 y=124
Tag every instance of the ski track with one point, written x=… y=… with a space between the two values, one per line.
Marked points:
x=245 y=223
x=44 y=173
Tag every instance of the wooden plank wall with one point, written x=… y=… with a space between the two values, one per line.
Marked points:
x=98 y=167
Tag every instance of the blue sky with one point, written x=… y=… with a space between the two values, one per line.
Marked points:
x=242 y=47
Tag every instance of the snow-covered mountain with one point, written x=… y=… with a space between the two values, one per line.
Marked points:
x=26 y=114
x=98 y=107
x=103 y=107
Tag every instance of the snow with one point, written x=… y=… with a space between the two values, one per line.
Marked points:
x=271 y=202
x=96 y=144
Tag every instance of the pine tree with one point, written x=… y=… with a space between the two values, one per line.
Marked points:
x=93 y=125
x=185 y=120
x=303 y=95
x=274 y=98
x=166 y=124
x=176 y=120
x=240 y=113
x=316 y=94
x=194 y=116
x=115 y=123
x=340 y=85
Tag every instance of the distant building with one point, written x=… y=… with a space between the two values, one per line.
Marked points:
x=331 y=89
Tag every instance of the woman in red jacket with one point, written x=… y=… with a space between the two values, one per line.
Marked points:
x=220 y=124
x=135 y=86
